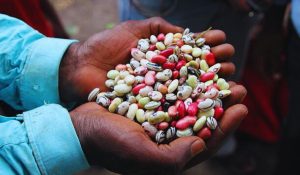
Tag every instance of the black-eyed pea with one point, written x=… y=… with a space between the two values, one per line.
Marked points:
x=143 y=45
x=110 y=83
x=200 y=41
x=155 y=95
x=206 y=105
x=215 y=68
x=212 y=123
x=171 y=132
x=224 y=93
x=160 y=136
x=184 y=93
x=93 y=94
x=137 y=54
x=183 y=72
x=103 y=101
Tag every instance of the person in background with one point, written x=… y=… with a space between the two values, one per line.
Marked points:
x=39 y=75
x=289 y=148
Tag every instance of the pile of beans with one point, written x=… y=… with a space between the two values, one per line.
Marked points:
x=170 y=86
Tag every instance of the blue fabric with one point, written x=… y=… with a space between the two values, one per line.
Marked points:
x=42 y=140
x=296 y=15
x=29 y=65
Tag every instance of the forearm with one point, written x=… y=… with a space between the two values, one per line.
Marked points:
x=40 y=141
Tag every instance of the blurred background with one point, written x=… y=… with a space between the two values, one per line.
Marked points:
x=258 y=30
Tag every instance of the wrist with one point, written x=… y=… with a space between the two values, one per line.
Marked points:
x=67 y=69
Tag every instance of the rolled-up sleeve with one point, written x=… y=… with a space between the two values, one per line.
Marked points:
x=40 y=141
x=29 y=65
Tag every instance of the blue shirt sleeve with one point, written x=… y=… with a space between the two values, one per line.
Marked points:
x=29 y=65
x=296 y=15
x=40 y=141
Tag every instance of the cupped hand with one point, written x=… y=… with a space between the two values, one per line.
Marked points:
x=85 y=64
x=121 y=145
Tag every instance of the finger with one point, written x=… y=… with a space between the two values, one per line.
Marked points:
x=214 y=37
x=183 y=150
x=232 y=118
x=148 y=27
x=227 y=69
x=238 y=93
x=231 y=83
x=158 y=25
x=223 y=52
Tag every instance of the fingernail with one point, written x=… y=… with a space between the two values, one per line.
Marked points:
x=197 y=147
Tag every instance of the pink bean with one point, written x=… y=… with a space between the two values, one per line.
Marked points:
x=186 y=122
x=210 y=59
x=207 y=76
x=192 y=109
x=167 y=52
x=204 y=133
x=137 y=88
x=120 y=67
x=172 y=111
x=150 y=78
x=152 y=47
x=161 y=37
x=159 y=59
x=175 y=74
x=169 y=65
x=180 y=108
x=218 y=112
x=180 y=64
x=163 y=125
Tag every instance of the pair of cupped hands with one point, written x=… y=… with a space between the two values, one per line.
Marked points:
x=117 y=143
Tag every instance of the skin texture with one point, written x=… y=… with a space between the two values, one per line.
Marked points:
x=117 y=143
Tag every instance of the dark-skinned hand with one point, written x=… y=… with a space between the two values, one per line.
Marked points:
x=85 y=64
x=117 y=143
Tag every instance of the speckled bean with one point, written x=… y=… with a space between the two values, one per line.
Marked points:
x=132 y=111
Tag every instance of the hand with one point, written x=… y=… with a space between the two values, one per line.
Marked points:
x=85 y=65
x=122 y=146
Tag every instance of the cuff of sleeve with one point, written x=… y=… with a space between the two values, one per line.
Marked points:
x=53 y=139
x=40 y=76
